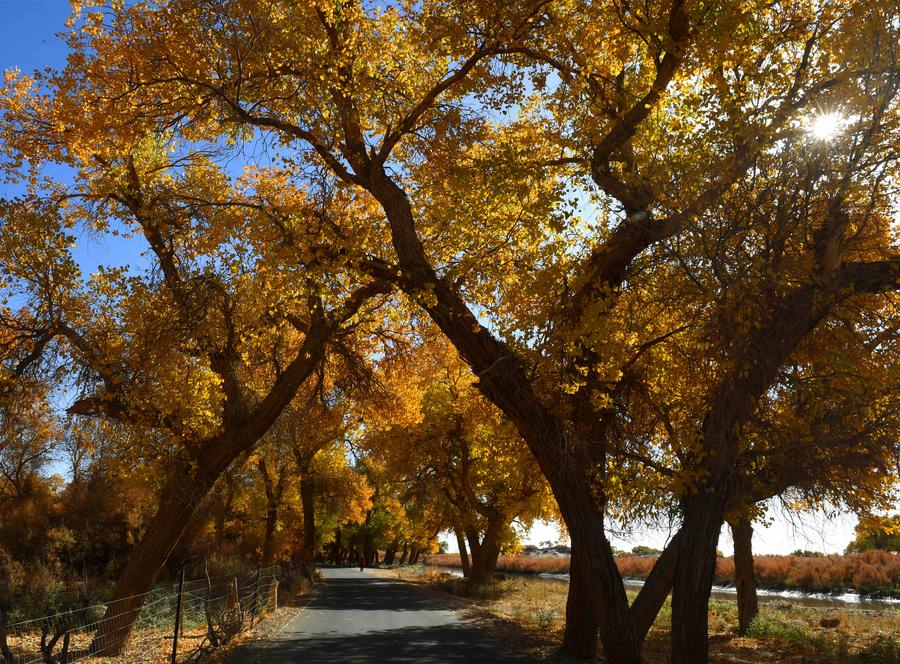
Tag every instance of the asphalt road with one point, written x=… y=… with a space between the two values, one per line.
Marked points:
x=358 y=617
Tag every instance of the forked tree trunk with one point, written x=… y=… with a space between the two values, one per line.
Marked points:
x=485 y=553
x=580 y=638
x=744 y=574
x=463 y=553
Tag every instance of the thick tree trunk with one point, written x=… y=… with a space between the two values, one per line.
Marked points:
x=404 y=554
x=593 y=554
x=744 y=575
x=369 y=552
x=308 y=503
x=580 y=638
x=414 y=556
x=484 y=556
x=268 y=548
x=694 y=574
x=391 y=552
x=180 y=497
x=463 y=553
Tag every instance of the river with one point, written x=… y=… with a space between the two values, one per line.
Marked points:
x=729 y=593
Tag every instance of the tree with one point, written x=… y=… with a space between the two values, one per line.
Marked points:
x=876 y=532
x=205 y=347
x=654 y=116
x=451 y=442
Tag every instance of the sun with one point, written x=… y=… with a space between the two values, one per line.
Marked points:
x=826 y=126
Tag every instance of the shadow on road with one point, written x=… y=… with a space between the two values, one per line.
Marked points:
x=444 y=643
x=369 y=593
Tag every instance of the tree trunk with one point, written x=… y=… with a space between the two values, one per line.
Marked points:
x=391 y=552
x=308 y=502
x=414 y=556
x=336 y=547
x=274 y=489
x=744 y=575
x=223 y=508
x=656 y=589
x=268 y=548
x=485 y=554
x=565 y=460
x=180 y=497
x=404 y=554
x=694 y=574
x=580 y=638
x=463 y=553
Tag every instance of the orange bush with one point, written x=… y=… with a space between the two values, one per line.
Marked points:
x=866 y=572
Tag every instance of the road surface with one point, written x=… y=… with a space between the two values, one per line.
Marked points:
x=358 y=617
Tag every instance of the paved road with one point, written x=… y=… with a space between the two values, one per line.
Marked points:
x=358 y=617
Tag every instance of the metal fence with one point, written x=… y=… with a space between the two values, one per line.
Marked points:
x=176 y=623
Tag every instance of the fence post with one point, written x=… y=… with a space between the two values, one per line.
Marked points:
x=255 y=604
x=237 y=603
x=178 y=617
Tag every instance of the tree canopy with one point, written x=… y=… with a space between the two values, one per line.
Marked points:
x=659 y=240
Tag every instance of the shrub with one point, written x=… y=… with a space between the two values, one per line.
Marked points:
x=885 y=650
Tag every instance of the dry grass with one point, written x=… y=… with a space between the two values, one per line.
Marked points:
x=785 y=632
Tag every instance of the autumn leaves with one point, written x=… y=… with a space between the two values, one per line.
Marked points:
x=609 y=211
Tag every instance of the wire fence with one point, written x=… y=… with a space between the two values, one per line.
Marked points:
x=176 y=624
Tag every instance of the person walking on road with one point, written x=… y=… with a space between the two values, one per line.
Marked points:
x=362 y=563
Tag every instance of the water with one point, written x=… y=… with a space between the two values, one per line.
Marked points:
x=729 y=593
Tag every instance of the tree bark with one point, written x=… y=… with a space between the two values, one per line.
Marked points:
x=580 y=638
x=391 y=552
x=404 y=554
x=485 y=554
x=463 y=553
x=308 y=503
x=656 y=589
x=695 y=568
x=273 y=490
x=744 y=574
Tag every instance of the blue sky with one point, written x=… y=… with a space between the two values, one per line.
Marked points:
x=28 y=40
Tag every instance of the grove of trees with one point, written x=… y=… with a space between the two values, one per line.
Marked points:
x=430 y=266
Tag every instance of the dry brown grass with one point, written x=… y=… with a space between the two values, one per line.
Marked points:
x=785 y=632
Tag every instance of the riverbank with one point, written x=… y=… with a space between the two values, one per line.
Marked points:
x=867 y=575
x=529 y=611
